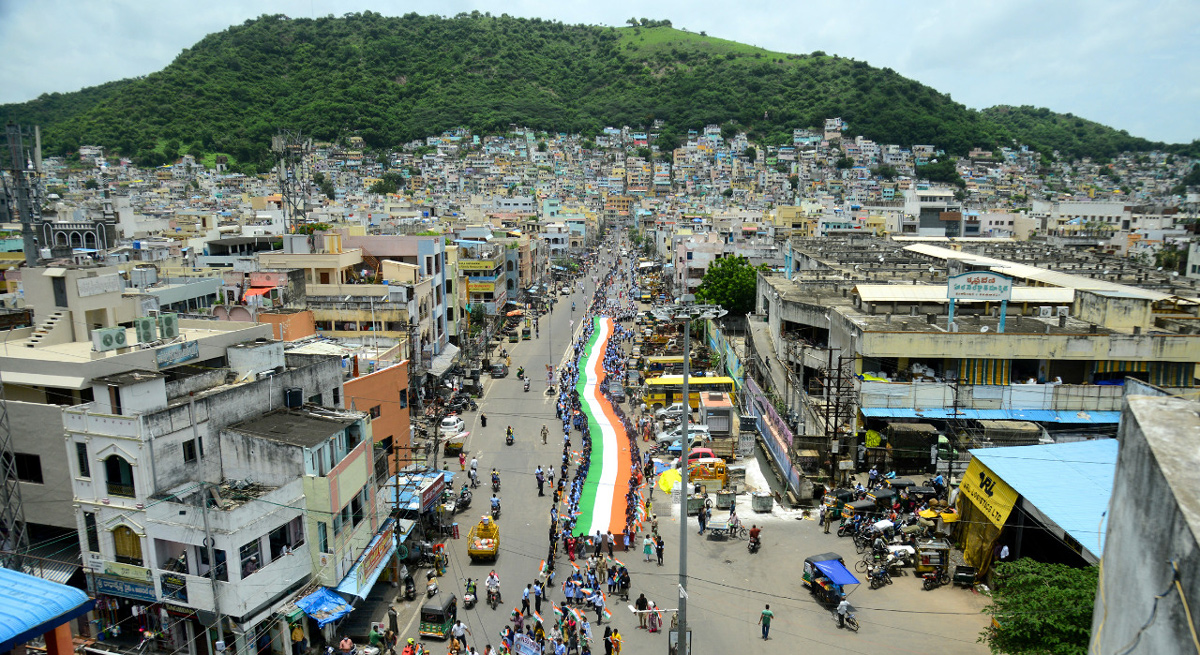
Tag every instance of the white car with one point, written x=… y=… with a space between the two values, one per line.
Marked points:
x=674 y=411
x=452 y=426
x=694 y=430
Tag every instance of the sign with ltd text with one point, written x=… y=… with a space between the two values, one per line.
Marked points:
x=989 y=493
x=979 y=285
x=177 y=353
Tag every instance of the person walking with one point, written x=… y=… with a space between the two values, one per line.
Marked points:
x=537 y=597
x=647 y=547
x=545 y=434
x=764 y=620
x=608 y=540
x=641 y=605
x=598 y=605
x=540 y=476
x=482 y=420
x=608 y=642
x=525 y=599
x=659 y=547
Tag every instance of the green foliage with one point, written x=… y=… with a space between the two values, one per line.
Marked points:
x=752 y=154
x=310 y=228
x=91 y=183
x=389 y=183
x=541 y=146
x=395 y=79
x=1041 y=608
x=731 y=283
x=728 y=193
x=941 y=171
x=844 y=163
x=887 y=172
x=1191 y=179
x=644 y=153
x=794 y=180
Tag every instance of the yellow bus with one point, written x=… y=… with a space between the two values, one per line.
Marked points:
x=666 y=389
x=664 y=365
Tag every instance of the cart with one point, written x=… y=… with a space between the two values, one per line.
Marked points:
x=932 y=555
x=964 y=575
x=826 y=576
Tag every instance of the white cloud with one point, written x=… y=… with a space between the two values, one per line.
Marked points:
x=1125 y=63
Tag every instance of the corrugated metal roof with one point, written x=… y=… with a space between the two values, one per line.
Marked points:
x=56 y=561
x=30 y=607
x=937 y=293
x=1024 y=272
x=1069 y=483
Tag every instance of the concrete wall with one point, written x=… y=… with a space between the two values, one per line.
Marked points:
x=1153 y=518
x=384 y=389
x=37 y=430
x=247 y=457
x=1117 y=312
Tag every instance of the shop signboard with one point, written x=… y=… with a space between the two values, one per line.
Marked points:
x=476 y=265
x=989 y=493
x=177 y=353
x=110 y=586
x=979 y=285
x=374 y=557
x=174 y=586
x=431 y=491
x=129 y=571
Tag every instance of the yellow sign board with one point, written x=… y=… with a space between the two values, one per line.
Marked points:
x=127 y=571
x=481 y=287
x=989 y=493
x=475 y=265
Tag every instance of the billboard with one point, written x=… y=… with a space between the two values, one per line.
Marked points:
x=979 y=285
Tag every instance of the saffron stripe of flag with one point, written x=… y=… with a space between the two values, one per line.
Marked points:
x=619 y=561
x=537 y=616
x=608 y=613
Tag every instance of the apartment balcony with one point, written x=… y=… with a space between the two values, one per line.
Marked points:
x=82 y=419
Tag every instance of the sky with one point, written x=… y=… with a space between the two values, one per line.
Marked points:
x=1129 y=64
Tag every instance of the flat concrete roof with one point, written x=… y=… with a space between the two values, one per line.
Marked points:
x=295 y=427
x=81 y=351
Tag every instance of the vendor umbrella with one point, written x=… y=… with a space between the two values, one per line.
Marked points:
x=668 y=479
x=515 y=312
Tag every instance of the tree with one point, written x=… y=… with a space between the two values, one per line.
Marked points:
x=844 y=163
x=731 y=283
x=541 y=146
x=794 y=180
x=728 y=193
x=1041 y=608
x=91 y=183
x=752 y=154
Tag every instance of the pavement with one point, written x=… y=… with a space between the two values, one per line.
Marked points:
x=727 y=586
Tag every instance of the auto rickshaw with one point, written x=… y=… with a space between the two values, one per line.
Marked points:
x=922 y=494
x=883 y=498
x=836 y=498
x=437 y=615
x=865 y=506
x=899 y=484
x=826 y=576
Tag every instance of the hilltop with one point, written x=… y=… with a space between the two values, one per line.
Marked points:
x=394 y=79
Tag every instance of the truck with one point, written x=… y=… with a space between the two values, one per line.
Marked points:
x=483 y=541
x=720 y=416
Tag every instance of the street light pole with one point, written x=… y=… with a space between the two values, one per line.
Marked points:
x=684 y=310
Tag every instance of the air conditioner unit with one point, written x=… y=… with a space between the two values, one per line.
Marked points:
x=1045 y=311
x=168 y=325
x=146 y=331
x=108 y=339
x=1064 y=310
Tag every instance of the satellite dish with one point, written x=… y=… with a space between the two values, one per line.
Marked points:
x=983 y=329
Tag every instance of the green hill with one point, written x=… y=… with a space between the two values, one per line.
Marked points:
x=394 y=79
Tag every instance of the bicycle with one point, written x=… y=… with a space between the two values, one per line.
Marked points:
x=851 y=622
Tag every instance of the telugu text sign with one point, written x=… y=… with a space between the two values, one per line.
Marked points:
x=979 y=286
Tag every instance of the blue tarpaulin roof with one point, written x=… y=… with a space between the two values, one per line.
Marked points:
x=1039 y=415
x=31 y=607
x=1069 y=484
x=409 y=486
x=836 y=572
x=324 y=606
x=355 y=584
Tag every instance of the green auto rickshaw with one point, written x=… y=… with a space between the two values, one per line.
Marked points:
x=437 y=615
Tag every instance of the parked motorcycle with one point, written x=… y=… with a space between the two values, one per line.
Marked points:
x=879 y=576
x=431 y=585
x=410 y=588
x=935 y=579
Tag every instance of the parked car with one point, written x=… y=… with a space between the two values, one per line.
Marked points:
x=674 y=411
x=452 y=426
x=676 y=433
x=498 y=371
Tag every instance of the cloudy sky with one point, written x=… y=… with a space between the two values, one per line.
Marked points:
x=1131 y=64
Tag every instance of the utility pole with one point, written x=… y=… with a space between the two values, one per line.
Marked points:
x=212 y=562
x=685 y=311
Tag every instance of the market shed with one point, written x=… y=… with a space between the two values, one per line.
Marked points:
x=1047 y=502
x=31 y=607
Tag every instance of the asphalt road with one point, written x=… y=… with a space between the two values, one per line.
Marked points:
x=728 y=587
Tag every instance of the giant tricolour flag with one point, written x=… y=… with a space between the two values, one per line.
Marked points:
x=602 y=502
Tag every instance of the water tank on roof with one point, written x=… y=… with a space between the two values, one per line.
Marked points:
x=293 y=397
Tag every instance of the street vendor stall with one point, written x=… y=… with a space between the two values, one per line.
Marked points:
x=483 y=541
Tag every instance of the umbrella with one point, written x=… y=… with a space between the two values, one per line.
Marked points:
x=668 y=479
x=515 y=312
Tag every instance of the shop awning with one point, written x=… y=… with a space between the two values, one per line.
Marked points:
x=31 y=607
x=256 y=291
x=324 y=606
x=836 y=572
x=443 y=360
x=362 y=576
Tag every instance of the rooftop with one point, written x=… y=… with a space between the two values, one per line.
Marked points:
x=298 y=427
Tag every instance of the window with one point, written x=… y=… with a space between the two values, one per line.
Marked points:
x=29 y=467
x=315 y=399
x=376 y=411
x=222 y=569
x=323 y=536
x=93 y=535
x=249 y=555
x=404 y=395
x=189 y=451
x=81 y=456
x=128 y=546
x=356 y=509
x=337 y=395
x=119 y=475
x=449 y=286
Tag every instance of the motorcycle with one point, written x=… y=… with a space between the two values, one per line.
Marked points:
x=463 y=502
x=410 y=588
x=935 y=579
x=879 y=576
x=431 y=585
x=468 y=600
x=508 y=439
x=493 y=597
x=496 y=512
x=527 y=386
x=754 y=544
